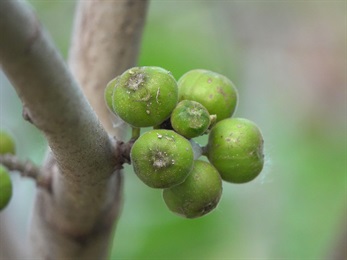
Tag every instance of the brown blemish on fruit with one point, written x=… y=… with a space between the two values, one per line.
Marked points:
x=221 y=91
x=227 y=97
x=210 y=206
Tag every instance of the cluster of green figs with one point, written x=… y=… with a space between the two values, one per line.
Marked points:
x=166 y=157
x=7 y=146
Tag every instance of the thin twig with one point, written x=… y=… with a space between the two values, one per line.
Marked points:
x=26 y=169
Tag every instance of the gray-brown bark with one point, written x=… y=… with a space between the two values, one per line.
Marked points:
x=74 y=219
x=105 y=42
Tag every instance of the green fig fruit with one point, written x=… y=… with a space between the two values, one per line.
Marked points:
x=143 y=96
x=5 y=187
x=108 y=94
x=162 y=158
x=214 y=91
x=7 y=144
x=198 y=194
x=235 y=148
x=190 y=119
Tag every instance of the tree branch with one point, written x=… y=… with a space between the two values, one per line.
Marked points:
x=75 y=220
x=51 y=96
x=11 y=239
x=105 y=42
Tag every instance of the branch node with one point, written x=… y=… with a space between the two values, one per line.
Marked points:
x=26 y=114
x=123 y=152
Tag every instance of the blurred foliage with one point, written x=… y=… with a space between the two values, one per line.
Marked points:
x=286 y=62
x=182 y=36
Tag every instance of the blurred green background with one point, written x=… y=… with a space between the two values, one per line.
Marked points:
x=288 y=61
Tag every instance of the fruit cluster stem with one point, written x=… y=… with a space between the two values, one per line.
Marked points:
x=135 y=133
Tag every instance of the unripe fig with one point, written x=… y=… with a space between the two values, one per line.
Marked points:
x=198 y=194
x=5 y=187
x=162 y=158
x=7 y=144
x=190 y=119
x=214 y=91
x=143 y=96
x=235 y=148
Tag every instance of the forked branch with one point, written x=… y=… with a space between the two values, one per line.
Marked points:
x=75 y=220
